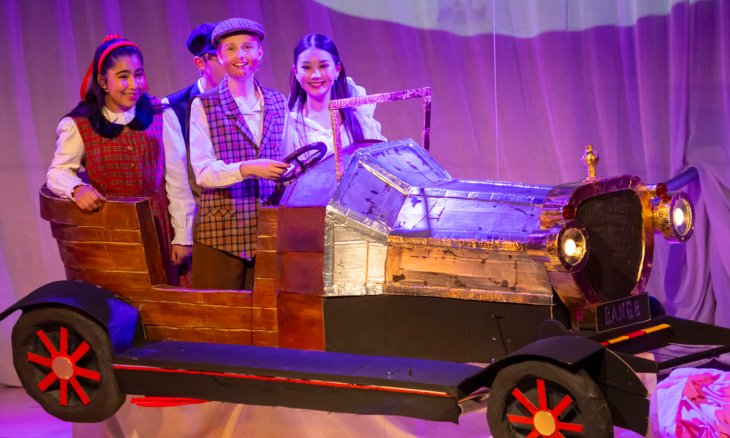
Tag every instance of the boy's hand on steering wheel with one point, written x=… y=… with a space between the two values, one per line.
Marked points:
x=88 y=198
x=263 y=168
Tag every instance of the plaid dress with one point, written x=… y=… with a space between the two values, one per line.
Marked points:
x=129 y=165
x=227 y=217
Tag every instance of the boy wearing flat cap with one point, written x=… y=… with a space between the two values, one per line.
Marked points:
x=235 y=151
x=211 y=73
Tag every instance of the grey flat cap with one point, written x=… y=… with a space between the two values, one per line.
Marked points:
x=236 y=25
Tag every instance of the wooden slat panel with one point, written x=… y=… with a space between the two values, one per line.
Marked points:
x=264 y=318
x=75 y=233
x=301 y=321
x=103 y=256
x=264 y=338
x=193 y=315
x=462 y=268
x=117 y=281
x=301 y=229
x=301 y=272
x=113 y=214
x=264 y=292
x=217 y=336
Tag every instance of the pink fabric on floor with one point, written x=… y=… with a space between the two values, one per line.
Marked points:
x=692 y=403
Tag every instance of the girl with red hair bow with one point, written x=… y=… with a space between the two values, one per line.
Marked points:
x=116 y=134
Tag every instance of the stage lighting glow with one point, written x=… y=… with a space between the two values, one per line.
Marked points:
x=678 y=217
x=573 y=246
x=569 y=247
x=682 y=219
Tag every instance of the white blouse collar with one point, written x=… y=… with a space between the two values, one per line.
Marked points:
x=123 y=118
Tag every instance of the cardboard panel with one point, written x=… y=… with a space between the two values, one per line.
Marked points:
x=301 y=272
x=464 y=268
x=94 y=234
x=186 y=315
x=265 y=264
x=266 y=243
x=430 y=328
x=157 y=255
x=301 y=229
x=117 y=214
x=120 y=282
x=103 y=256
x=264 y=292
x=268 y=221
x=234 y=298
x=263 y=338
x=356 y=325
x=264 y=319
x=216 y=336
x=301 y=323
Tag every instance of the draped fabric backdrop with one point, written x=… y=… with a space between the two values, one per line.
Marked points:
x=519 y=88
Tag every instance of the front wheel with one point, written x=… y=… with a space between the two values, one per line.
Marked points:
x=64 y=361
x=538 y=399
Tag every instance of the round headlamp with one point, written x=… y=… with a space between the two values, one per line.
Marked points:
x=573 y=246
x=674 y=217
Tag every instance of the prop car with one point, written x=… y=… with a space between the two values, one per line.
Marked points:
x=394 y=289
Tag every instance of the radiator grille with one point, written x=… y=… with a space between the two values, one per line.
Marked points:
x=614 y=224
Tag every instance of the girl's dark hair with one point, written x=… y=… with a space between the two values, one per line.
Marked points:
x=93 y=101
x=339 y=90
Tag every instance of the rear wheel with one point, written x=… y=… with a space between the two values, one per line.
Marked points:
x=64 y=361
x=538 y=399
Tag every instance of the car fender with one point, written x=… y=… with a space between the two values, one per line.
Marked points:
x=622 y=389
x=121 y=320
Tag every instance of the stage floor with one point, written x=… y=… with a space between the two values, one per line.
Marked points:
x=20 y=417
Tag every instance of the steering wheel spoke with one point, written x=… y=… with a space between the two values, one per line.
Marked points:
x=317 y=152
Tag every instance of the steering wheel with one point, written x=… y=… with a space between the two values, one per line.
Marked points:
x=298 y=165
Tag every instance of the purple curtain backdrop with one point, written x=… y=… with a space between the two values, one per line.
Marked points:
x=653 y=96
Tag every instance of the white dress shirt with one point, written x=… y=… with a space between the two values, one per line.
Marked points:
x=300 y=130
x=210 y=171
x=62 y=174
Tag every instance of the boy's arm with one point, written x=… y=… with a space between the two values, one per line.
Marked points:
x=210 y=171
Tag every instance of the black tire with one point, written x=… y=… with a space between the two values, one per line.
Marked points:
x=82 y=369
x=584 y=414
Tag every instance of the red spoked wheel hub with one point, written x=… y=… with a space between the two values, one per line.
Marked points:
x=63 y=366
x=545 y=421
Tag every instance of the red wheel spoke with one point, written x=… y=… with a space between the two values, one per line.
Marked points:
x=79 y=352
x=534 y=434
x=570 y=427
x=47 y=342
x=524 y=401
x=40 y=360
x=86 y=373
x=64 y=392
x=518 y=419
x=541 y=394
x=79 y=391
x=47 y=381
x=560 y=407
x=63 y=349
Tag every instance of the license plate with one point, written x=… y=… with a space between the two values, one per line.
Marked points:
x=623 y=312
